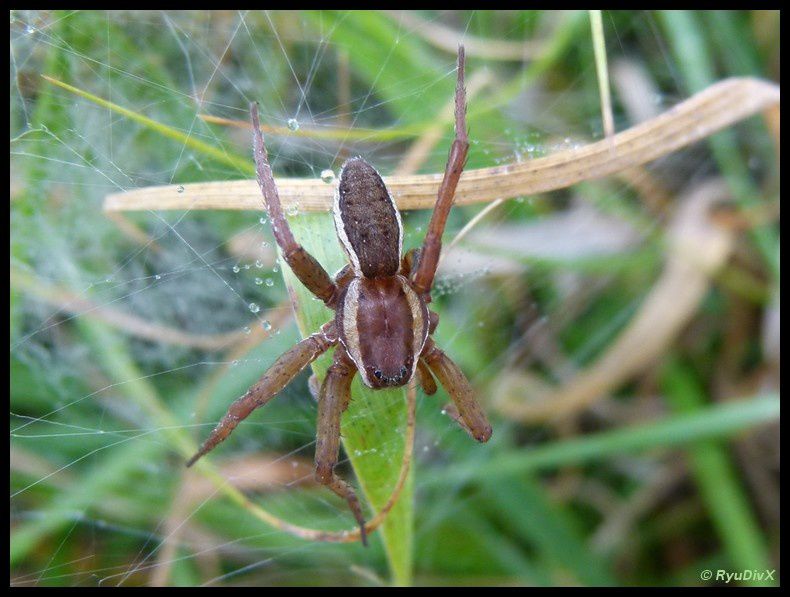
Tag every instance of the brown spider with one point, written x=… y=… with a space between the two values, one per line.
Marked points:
x=382 y=322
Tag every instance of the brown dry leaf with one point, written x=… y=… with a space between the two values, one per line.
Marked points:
x=713 y=109
x=697 y=248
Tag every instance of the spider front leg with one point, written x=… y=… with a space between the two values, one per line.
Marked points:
x=284 y=369
x=470 y=416
x=432 y=245
x=332 y=402
x=304 y=266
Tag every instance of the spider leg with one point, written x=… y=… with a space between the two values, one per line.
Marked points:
x=333 y=401
x=433 y=321
x=432 y=245
x=425 y=377
x=304 y=266
x=473 y=418
x=410 y=259
x=451 y=410
x=284 y=369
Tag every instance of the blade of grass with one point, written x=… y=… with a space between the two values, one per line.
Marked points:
x=601 y=70
x=713 y=472
x=719 y=106
x=706 y=423
x=242 y=164
x=523 y=507
x=373 y=427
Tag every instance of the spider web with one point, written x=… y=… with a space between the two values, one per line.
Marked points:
x=134 y=332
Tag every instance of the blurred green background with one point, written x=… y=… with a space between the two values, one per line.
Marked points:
x=131 y=334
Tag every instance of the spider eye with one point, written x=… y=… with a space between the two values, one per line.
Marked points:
x=377 y=373
x=403 y=371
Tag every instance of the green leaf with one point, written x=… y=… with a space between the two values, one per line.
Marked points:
x=374 y=426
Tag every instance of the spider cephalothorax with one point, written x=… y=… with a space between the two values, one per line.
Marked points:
x=382 y=324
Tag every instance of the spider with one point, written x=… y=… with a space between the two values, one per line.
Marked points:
x=382 y=325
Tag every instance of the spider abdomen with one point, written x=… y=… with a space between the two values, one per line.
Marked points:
x=367 y=220
x=383 y=326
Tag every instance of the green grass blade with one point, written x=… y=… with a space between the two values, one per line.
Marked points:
x=707 y=423
x=374 y=426
x=242 y=164
x=524 y=507
x=717 y=481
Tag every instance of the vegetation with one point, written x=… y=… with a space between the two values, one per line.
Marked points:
x=622 y=332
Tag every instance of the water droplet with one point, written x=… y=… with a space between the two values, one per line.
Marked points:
x=247 y=330
x=258 y=281
x=180 y=188
x=235 y=362
x=262 y=220
x=264 y=244
x=157 y=277
x=269 y=282
x=275 y=269
x=258 y=263
x=254 y=308
x=266 y=325
x=236 y=269
x=246 y=266
x=292 y=210
x=293 y=124
x=327 y=176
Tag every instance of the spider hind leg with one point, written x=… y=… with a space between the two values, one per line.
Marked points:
x=333 y=401
x=469 y=413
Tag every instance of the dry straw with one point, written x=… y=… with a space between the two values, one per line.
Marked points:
x=711 y=110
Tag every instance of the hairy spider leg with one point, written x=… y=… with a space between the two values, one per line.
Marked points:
x=332 y=402
x=432 y=245
x=470 y=415
x=305 y=267
x=284 y=369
